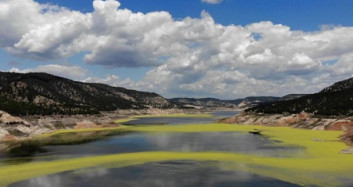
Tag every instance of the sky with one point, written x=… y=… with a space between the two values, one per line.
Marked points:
x=183 y=48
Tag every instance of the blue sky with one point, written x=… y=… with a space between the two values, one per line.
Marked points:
x=282 y=44
x=305 y=15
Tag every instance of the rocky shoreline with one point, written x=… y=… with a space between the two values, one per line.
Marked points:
x=24 y=127
x=302 y=120
x=17 y=128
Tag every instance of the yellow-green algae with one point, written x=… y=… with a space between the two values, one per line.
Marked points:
x=322 y=165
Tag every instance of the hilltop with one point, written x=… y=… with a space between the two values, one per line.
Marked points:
x=335 y=100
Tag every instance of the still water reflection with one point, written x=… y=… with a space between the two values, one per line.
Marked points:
x=185 y=142
x=171 y=174
x=189 y=142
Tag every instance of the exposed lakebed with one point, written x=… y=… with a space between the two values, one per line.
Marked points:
x=175 y=155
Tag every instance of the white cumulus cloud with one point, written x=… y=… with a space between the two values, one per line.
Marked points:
x=187 y=57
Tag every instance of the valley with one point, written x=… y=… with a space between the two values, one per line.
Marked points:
x=164 y=136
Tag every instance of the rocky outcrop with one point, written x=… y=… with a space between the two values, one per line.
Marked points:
x=12 y=128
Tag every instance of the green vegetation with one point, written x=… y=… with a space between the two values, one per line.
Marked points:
x=26 y=108
x=320 y=164
x=44 y=94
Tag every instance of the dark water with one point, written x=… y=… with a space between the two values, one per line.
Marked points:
x=166 y=174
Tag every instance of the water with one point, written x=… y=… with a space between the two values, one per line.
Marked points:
x=170 y=121
x=170 y=173
x=224 y=114
x=181 y=142
x=131 y=142
x=181 y=120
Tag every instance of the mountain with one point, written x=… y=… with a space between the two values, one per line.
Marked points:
x=201 y=103
x=41 y=93
x=333 y=100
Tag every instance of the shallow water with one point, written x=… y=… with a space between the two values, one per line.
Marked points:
x=170 y=173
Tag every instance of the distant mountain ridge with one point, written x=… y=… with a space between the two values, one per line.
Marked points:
x=333 y=100
x=235 y=103
x=41 y=93
x=201 y=103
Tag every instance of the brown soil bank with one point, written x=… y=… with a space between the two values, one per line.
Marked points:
x=302 y=120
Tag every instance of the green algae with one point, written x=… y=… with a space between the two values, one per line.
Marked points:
x=320 y=165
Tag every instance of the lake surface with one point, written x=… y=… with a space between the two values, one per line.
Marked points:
x=169 y=173
x=170 y=120
x=181 y=120
x=224 y=114
x=181 y=142
x=161 y=173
